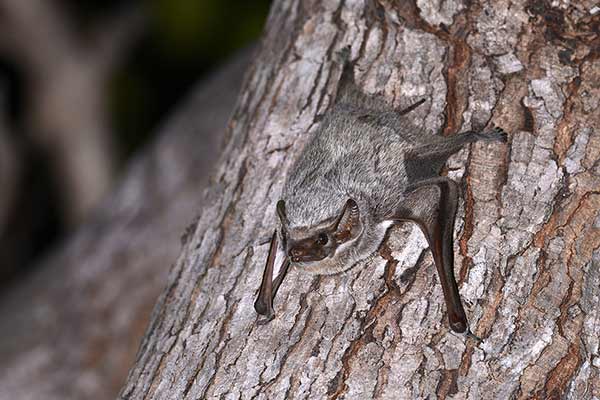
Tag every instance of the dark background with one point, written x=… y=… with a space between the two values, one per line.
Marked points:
x=180 y=42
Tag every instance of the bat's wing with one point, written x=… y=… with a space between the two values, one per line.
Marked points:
x=432 y=205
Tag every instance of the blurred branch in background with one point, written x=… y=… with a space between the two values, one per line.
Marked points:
x=9 y=167
x=85 y=90
x=87 y=84
x=71 y=331
x=66 y=75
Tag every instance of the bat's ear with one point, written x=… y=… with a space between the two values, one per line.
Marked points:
x=348 y=223
x=281 y=212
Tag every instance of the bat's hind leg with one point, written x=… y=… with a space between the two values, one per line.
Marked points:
x=440 y=147
x=491 y=135
x=497 y=135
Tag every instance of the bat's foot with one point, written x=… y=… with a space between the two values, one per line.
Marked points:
x=497 y=134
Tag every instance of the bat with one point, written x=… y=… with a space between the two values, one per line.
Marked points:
x=366 y=168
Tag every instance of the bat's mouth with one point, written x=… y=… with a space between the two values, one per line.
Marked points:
x=308 y=259
x=306 y=254
x=327 y=266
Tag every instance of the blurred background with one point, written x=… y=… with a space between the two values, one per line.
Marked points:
x=83 y=86
x=112 y=116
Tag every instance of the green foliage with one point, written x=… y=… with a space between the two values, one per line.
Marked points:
x=185 y=39
x=211 y=27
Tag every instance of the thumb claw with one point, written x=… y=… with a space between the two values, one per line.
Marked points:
x=470 y=334
x=266 y=319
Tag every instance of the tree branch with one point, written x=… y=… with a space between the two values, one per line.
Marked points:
x=113 y=37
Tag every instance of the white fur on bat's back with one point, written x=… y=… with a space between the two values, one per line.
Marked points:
x=347 y=158
x=358 y=152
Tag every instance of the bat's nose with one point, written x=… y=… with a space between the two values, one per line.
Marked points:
x=295 y=254
x=299 y=252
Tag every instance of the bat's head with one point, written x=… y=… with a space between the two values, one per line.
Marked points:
x=316 y=248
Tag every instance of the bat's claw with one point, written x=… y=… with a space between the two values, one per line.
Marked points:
x=265 y=310
x=343 y=55
x=262 y=308
x=471 y=335
x=265 y=320
x=497 y=134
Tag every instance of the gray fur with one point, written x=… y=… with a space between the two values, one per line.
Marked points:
x=366 y=151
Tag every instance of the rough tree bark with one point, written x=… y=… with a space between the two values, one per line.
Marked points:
x=528 y=232
x=71 y=329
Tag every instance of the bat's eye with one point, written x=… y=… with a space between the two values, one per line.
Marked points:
x=322 y=239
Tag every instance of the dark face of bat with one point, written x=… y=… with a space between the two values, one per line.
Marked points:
x=318 y=244
x=313 y=248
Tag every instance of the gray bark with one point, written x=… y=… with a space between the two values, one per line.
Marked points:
x=71 y=330
x=527 y=233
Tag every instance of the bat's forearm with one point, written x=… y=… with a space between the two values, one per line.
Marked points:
x=432 y=205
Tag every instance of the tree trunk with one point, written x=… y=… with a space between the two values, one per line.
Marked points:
x=71 y=329
x=527 y=233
